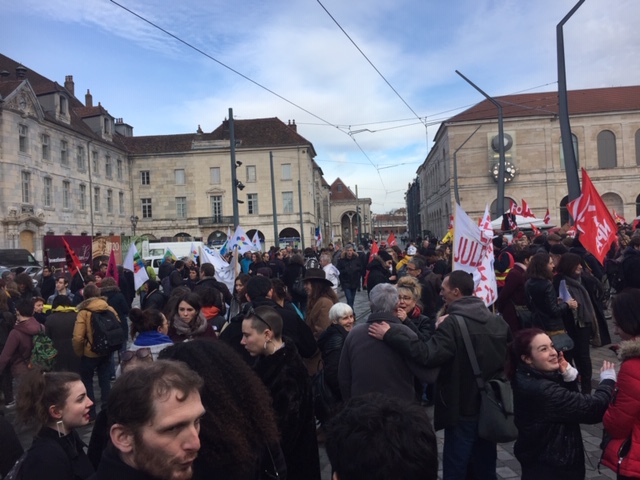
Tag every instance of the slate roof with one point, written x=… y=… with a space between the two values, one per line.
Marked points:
x=581 y=102
x=345 y=194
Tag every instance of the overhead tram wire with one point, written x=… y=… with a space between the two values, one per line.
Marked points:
x=193 y=47
x=372 y=65
x=201 y=52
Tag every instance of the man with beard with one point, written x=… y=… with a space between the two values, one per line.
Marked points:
x=155 y=414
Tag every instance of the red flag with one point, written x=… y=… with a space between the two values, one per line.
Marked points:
x=512 y=222
x=391 y=241
x=513 y=208
x=526 y=211
x=73 y=262
x=522 y=210
x=547 y=217
x=374 y=251
x=536 y=230
x=112 y=268
x=618 y=218
x=450 y=222
x=592 y=219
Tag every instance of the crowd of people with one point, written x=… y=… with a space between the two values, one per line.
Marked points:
x=244 y=383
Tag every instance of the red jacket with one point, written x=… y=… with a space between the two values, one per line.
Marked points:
x=17 y=350
x=622 y=419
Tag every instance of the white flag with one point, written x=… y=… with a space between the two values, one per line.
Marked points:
x=241 y=241
x=256 y=241
x=134 y=262
x=473 y=253
x=224 y=271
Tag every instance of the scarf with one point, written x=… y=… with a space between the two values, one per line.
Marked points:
x=196 y=327
x=585 y=313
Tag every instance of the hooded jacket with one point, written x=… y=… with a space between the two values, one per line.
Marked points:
x=458 y=394
x=621 y=420
x=17 y=350
x=83 y=330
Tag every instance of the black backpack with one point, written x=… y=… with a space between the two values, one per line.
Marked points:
x=108 y=335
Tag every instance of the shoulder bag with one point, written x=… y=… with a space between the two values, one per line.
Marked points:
x=496 y=420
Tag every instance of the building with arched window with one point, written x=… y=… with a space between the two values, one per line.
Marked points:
x=605 y=128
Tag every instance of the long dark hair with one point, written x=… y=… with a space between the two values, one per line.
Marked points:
x=626 y=311
x=239 y=421
x=539 y=267
x=319 y=290
x=568 y=264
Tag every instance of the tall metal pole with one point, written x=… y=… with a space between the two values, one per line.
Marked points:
x=359 y=237
x=500 y=200
x=273 y=203
x=234 y=186
x=301 y=219
x=570 y=164
x=455 y=165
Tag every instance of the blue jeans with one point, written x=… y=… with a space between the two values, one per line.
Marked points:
x=88 y=366
x=350 y=294
x=464 y=451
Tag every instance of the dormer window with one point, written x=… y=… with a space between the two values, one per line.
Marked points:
x=63 y=105
x=106 y=126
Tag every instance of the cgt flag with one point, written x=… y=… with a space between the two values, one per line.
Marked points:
x=73 y=262
x=592 y=219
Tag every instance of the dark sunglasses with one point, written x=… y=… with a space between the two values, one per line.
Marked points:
x=252 y=313
x=141 y=354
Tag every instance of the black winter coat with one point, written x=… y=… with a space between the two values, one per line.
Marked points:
x=378 y=273
x=57 y=458
x=350 y=271
x=631 y=267
x=287 y=379
x=458 y=394
x=542 y=300
x=548 y=414
x=330 y=344
x=155 y=299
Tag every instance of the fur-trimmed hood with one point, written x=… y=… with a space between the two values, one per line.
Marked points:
x=629 y=349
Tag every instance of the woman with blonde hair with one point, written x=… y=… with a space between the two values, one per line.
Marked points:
x=409 y=306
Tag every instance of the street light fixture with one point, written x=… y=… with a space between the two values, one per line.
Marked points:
x=134 y=223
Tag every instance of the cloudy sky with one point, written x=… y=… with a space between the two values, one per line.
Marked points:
x=293 y=60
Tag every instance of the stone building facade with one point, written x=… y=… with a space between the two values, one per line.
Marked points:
x=350 y=215
x=71 y=168
x=605 y=125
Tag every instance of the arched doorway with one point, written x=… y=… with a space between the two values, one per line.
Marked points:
x=289 y=237
x=613 y=202
x=492 y=209
x=216 y=238
x=564 y=211
x=182 y=237
x=349 y=227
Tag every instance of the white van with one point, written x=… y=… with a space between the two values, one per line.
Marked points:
x=153 y=253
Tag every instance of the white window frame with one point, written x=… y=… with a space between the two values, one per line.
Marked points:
x=48 y=192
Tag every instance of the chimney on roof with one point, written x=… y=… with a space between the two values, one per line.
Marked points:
x=21 y=71
x=88 y=99
x=292 y=125
x=69 y=85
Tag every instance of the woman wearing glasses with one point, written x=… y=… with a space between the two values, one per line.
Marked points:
x=149 y=329
x=281 y=369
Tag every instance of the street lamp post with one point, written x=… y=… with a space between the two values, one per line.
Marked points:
x=134 y=223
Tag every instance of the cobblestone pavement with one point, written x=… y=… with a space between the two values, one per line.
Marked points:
x=507 y=467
